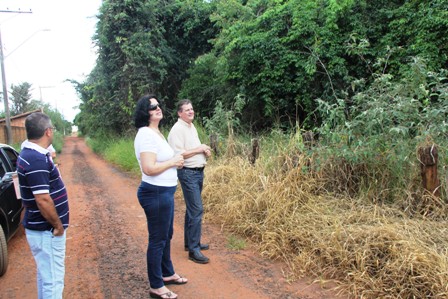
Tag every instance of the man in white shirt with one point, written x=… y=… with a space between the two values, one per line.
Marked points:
x=184 y=140
x=52 y=151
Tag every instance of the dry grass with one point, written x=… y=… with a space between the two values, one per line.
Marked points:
x=371 y=250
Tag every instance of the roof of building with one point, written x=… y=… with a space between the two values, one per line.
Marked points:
x=21 y=115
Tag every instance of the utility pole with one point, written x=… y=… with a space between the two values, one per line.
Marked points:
x=5 y=95
x=5 y=89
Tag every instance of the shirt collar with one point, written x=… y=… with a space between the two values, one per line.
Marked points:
x=34 y=146
x=184 y=122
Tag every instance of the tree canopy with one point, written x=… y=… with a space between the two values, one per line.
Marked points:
x=279 y=58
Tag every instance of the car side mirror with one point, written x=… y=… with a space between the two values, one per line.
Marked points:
x=7 y=176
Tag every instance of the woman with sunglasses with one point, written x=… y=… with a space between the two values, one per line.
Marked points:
x=158 y=165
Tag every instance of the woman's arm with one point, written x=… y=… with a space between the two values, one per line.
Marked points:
x=151 y=167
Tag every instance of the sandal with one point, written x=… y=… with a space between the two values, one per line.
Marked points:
x=180 y=280
x=166 y=295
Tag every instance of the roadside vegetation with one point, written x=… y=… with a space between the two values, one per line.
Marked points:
x=347 y=206
x=341 y=96
x=300 y=206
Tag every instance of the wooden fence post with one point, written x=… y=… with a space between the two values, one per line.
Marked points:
x=214 y=143
x=308 y=139
x=428 y=157
x=255 y=151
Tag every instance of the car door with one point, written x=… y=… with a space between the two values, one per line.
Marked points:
x=10 y=204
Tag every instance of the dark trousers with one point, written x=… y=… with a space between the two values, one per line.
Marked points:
x=191 y=182
x=158 y=204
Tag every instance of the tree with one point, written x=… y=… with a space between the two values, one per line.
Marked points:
x=143 y=46
x=62 y=126
x=20 y=98
x=283 y=55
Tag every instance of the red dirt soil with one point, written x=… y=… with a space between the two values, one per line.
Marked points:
x=107 y=239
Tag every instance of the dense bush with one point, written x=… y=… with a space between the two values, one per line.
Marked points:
x=378 y=135
x=280 y=56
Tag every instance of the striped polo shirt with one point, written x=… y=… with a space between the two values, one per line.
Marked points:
x=38 y=175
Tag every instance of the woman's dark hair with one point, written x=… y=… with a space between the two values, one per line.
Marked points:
x=141 y=115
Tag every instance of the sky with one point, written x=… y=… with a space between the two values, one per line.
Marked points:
x=51 y=44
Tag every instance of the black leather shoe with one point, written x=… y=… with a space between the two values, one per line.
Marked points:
x=201 y=247
x=198 y=257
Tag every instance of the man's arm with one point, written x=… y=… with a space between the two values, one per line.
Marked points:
x=48 y=210
x=202 y=149
x=177 y=140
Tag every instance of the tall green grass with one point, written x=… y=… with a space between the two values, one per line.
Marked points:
x=122 y=153
x=58 y=141
x=117 y=150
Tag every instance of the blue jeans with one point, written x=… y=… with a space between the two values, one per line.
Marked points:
x=158 y=204
x=191 y=182
x=49 y=254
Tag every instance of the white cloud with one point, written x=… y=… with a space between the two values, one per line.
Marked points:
x=47 y=58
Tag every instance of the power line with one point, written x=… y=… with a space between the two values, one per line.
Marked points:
x=16 y=11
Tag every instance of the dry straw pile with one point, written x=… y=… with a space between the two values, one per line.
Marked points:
x=370 y=250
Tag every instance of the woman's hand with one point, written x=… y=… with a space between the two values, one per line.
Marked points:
x=178 y=161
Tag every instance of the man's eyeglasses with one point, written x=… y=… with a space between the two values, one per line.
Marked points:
x=153 y=107
x=52 y=128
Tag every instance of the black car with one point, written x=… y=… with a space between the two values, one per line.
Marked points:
x=10 y=203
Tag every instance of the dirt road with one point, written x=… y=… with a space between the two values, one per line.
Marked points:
x=107 y=239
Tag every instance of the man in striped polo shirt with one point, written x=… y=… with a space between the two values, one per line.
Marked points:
x=46 y=205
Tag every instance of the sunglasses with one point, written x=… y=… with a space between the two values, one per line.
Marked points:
x=153 y=107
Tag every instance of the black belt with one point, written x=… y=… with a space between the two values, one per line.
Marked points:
x=195 y=168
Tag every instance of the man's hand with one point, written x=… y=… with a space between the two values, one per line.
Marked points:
x=205 y=149
x=47 y=209
x=202 y=149
x=178 y=161
x=57 y=232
